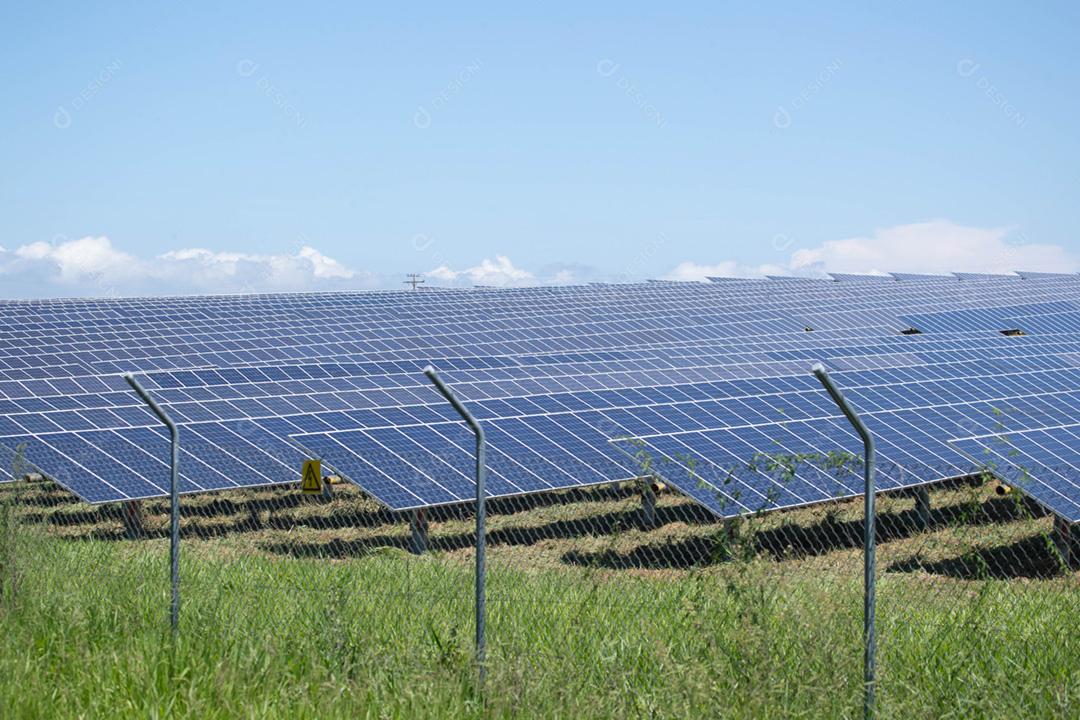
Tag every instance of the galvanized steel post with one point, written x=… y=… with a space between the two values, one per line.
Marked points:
x=174 y=499
x=481 y=513
x=869 y=541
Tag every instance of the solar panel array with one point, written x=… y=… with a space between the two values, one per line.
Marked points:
x=569 y=381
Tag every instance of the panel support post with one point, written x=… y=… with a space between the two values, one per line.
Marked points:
x=1063 y=540
x=481 y=517
x=922 y=507
x=648 y=504
x=132 y=512
x=418 y=532
x=174 y=499
x=869 y=538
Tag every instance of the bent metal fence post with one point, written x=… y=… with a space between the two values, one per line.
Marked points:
x=174 y=499
x=869 y=546
x=481 y=500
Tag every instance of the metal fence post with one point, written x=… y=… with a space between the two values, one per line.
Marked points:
x=481 y=513
x=869 y=541
x=174 y=499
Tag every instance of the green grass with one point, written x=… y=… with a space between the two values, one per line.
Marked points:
x=588 y=617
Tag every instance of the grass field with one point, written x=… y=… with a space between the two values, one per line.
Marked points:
x=306 y=609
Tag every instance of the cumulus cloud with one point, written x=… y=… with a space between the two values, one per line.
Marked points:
x=324 y=267
x=86 y=257
x=563 y=273
x=500 y=272
x=692 y=271
x=938 y=246
x=93 y=266
x=307 y=268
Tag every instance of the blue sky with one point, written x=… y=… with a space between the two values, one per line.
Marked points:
x=189 y=147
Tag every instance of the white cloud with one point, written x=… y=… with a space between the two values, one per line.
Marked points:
x=692 y=271
x=75 y=260
x=933 y=247
x=256 y=272
x=324 y=267
x=564 y=273
x=499 y=272
x=564 y=277
x=92 y=266
x=938 y=246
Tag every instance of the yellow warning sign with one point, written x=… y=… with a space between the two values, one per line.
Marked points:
x=312 y=484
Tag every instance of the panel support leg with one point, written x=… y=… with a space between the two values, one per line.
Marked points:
x=922 y=508
x=1063 y=540
x=132 y=513
x=648 y=504
x=327 y=491
x=418 y=527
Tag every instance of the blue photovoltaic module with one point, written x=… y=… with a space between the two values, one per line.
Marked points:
x=709 y=377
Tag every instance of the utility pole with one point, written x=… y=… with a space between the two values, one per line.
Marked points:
x=415 y=279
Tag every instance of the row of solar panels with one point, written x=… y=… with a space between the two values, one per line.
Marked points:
x=751 y=295
x=175 y=347
x=554 y=418
x=252 y=391
x=455 y=318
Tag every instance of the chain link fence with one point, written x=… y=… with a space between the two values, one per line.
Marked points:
x=617 y=600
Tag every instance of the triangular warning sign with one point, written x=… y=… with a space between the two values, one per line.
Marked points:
x=312 y=473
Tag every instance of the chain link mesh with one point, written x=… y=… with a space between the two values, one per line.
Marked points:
x=619 y=600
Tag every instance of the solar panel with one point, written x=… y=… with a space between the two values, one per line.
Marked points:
x=985 y=276
x=11 y=465
x=921 y=277
x=1044 y=460
x=860 y=277
x=994 y=318
x=724 y=469
x=1042 y=275
x=556 y=373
